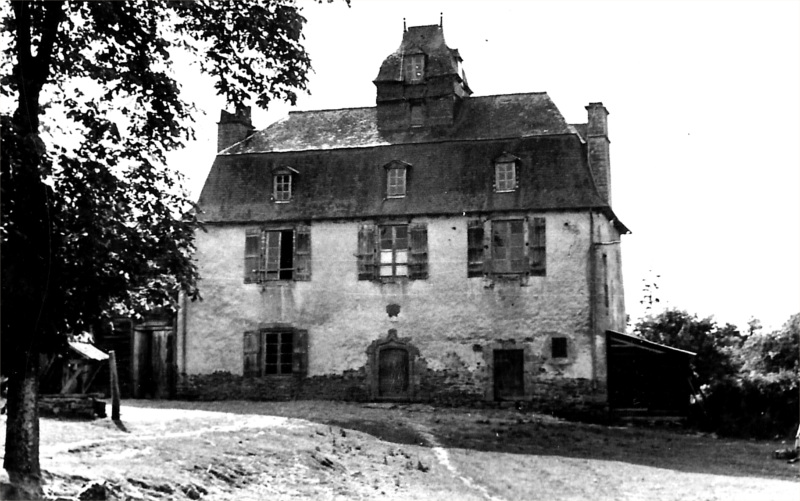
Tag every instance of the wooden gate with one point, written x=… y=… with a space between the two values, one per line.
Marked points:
x=393 y=372
x=508 y=374
x=154 y=363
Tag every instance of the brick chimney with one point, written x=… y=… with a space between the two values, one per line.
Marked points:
x=233 y=127
x=599 y=161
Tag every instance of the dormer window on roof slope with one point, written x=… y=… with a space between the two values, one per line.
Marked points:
x=414 y=68
x=506 y=177
x=283 y=184
x=396 y=179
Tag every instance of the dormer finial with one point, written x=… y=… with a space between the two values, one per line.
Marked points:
x=441 y=20
x=404 y=25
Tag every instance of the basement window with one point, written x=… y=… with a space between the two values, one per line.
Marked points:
x=558 y=347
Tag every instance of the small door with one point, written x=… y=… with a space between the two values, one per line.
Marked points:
x=508 y=374
x=393 y=372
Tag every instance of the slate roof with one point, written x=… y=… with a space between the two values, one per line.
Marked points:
x=440 y=60
x=339 y=156
x=480 y=118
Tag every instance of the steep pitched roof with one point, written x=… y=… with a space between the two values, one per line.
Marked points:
x=440 y=61
x=487 y=117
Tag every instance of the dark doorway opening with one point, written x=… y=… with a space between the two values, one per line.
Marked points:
x=508 y=374
x=393 y=372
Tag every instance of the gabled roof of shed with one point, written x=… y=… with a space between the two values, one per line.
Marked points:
x=627 y=339
x=486 y=117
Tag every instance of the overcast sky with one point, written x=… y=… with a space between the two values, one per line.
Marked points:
x=704 y=102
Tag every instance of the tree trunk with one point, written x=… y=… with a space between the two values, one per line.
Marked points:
x=22 y=427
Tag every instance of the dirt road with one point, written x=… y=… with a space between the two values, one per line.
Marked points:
x=327 y=450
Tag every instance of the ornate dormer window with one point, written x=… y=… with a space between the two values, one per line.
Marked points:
x=396 y=177
x=414 y=68
x=506 y=177
x=283 y=184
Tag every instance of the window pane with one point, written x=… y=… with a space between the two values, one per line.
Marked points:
x=386 y=271
x=386 y=257
x=286 y=368
x=401 y=257
x=271 y=369
x=401 y=271
x=272 y=338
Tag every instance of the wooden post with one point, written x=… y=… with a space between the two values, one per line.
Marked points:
x=112 y=367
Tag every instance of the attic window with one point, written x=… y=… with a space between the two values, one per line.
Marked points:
x=414 y=68
x=396 y=174
x=505 y=173
x=283 y=184
x=417 y=115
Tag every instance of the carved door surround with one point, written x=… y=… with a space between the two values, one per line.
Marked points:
x=393 y=368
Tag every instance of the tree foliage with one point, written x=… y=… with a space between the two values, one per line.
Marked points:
x=92 y=218
x=746 y=384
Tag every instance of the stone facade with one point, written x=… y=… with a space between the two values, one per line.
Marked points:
x=452 y=327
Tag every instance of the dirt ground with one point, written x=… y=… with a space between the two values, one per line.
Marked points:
x=236 y=450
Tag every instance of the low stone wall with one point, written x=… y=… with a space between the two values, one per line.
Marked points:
x=577 y=398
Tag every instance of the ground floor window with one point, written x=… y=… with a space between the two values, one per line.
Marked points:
x=275 y=352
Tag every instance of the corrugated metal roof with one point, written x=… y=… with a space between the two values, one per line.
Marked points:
x=88 y=350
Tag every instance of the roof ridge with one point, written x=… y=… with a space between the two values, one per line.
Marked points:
x=295 y=112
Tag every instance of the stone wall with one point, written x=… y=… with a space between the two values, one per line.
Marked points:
x=453 y=322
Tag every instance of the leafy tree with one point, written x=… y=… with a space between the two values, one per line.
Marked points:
x=775 y=351
x=715 y=346
x=92 y=218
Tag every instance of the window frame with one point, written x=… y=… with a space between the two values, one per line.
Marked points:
x=255 y=352
x=414 y=68
x=397 y=189
x=518 y=264
x=481 y=244
x=507 y=165
x=269 y=258
x=556 y=348
x=284 y=177
x=394 y=251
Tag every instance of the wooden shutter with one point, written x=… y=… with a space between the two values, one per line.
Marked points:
x=252 y=353
x=253 y=256
x=300 y=353
x=302 y=253
x=418 y=252
x=537 y=252
x=487 y=247
x=366 y=252
x=475 y=248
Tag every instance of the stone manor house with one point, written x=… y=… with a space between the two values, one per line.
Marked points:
x=436 y=247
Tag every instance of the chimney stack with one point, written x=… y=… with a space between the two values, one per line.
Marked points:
x=599 y=160
x=233 y=127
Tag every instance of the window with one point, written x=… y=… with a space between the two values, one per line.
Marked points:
x=280 y=254
x=414 y=68
x=276 y=351
x=393 y=251
x=505 y=176
x=396 y=178
x=417 y=115
x=283 y=179
x=396 y=182
x=283 y=187
x=558 y=347
x=506 y=247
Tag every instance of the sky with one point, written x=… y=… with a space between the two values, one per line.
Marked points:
x=704 y=102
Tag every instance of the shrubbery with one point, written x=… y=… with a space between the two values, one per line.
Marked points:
x=746 y=384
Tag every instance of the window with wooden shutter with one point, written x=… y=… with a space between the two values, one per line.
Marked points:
x=418 y=262
x=393 y=251
x=300 y=356
x=475 y=248
x=253 y=256
x=366 y=252
x=538 y=247
x=508 y=247
x=252 y=353
x=279 y=255
x=278 y=352
x=302 y=253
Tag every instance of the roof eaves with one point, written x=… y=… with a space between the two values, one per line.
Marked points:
x=645 y=342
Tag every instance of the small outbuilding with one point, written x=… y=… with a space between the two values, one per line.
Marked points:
x=647 y=378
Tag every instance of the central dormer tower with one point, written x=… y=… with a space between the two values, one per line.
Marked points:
x=421 y=84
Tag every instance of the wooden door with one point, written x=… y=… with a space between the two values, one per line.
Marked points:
x=393 y=373
x=508 y=374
